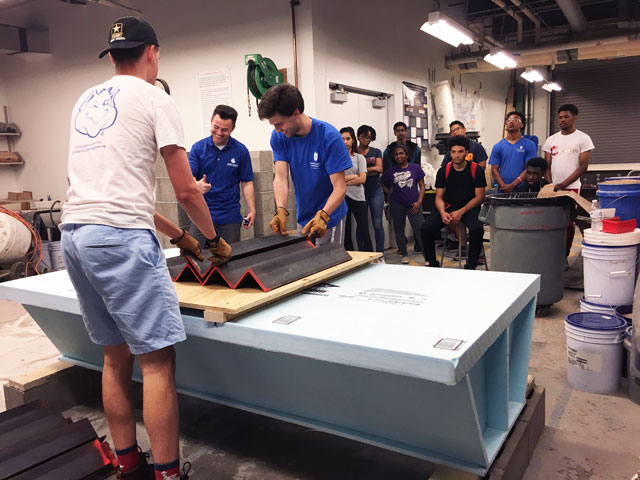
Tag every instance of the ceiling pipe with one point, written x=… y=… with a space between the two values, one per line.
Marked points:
x=531 y=16
x=513 y=14
x=573 y=13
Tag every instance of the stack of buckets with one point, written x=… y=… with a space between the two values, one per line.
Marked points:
x=595 y=337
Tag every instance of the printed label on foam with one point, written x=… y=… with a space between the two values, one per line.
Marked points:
x=374 y=295
x=591 y=362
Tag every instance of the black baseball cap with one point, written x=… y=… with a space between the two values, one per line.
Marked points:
x=130 y=32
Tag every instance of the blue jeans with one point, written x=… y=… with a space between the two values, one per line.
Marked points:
x=375 y=201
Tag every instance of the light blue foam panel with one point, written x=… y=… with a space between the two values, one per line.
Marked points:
x=428 y=362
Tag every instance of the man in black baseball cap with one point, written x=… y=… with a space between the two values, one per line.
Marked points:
x=130 y=32
x=114 y=260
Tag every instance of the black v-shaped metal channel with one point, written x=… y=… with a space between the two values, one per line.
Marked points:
x=269 y=262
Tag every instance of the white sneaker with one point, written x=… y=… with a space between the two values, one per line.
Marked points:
x=405 y=259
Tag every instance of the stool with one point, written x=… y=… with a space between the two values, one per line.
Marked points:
x=460 y=235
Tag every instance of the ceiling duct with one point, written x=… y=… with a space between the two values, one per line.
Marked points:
x=15 y=40
x=573 y=13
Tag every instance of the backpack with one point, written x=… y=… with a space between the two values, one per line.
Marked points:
x=473 y=164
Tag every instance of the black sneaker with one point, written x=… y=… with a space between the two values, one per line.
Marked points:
x=469 y=267
x=144 y=470
x=434 y=263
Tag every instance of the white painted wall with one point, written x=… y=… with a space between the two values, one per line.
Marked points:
x=379 y=47
x=337 y=41
x=195 y=36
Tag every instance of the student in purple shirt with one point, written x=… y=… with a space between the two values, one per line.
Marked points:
x=404 y=183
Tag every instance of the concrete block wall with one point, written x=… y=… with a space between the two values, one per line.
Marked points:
x=262 y=163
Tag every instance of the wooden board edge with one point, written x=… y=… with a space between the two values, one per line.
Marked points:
x=265 y=298
x=38 y=376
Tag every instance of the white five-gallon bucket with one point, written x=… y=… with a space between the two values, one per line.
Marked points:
x=57 y=260
x=609 y=274
x=586 y=306
x=594 y=351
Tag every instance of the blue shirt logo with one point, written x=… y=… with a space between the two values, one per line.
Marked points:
x=97 y=113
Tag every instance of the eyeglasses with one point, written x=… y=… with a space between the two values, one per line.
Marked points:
x=513 y=120
x=399 y=154
x=365 y=137
x=455 y=130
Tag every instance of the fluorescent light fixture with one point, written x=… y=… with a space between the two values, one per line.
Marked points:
x=500 y=59
x=531 y=75
x=447 y=30
x=551 y=87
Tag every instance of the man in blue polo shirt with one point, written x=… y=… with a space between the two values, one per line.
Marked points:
x=220 y=163
x=315 y=154
x=510 y=155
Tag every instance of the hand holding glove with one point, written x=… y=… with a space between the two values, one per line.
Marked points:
x=279 y=221
x=317 y=226
x=188 y=245
x=220 y=250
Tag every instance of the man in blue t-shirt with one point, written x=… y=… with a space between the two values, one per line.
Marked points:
x=314 y=153
x=510 y=155
x=220 y=163
x=476 y=153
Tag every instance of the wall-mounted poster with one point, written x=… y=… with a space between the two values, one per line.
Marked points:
x=416 y=112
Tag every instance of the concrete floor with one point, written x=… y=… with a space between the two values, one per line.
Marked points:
x=587 y=436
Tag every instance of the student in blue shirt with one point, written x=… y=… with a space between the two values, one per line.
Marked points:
x=510 y=155
x=315 y=154
x=220 y=163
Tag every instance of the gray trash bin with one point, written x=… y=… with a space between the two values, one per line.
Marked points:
x=528 y=235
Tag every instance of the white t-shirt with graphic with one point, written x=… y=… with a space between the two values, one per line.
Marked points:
x=117 y=130
x=565 y=151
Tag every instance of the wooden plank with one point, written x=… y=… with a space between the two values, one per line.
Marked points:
x=39 y=376
x=218 y=298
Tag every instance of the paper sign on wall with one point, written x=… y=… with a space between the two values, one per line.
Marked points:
x=215 y=89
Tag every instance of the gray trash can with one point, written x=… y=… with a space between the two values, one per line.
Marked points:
x=528 y=235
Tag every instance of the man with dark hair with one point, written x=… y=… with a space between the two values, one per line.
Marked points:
x=476 y=153
x=315 y=154
x=113 y=258
x=510 y=155
x=567 y=152
x=402 y=138
x=459 y=193
x=534 y=176
x=221 y=163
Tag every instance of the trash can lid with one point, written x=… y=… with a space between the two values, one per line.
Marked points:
x=520 y=199
x=595 y=321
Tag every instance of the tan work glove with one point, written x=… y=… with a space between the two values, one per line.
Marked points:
x=317 y=226
x=220 y=251
x=188 y=245
x=279 y=221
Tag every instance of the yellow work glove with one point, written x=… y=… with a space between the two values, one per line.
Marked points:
x=317 y=226
x=279 y=221
x=220 y=251
x=188 y=245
